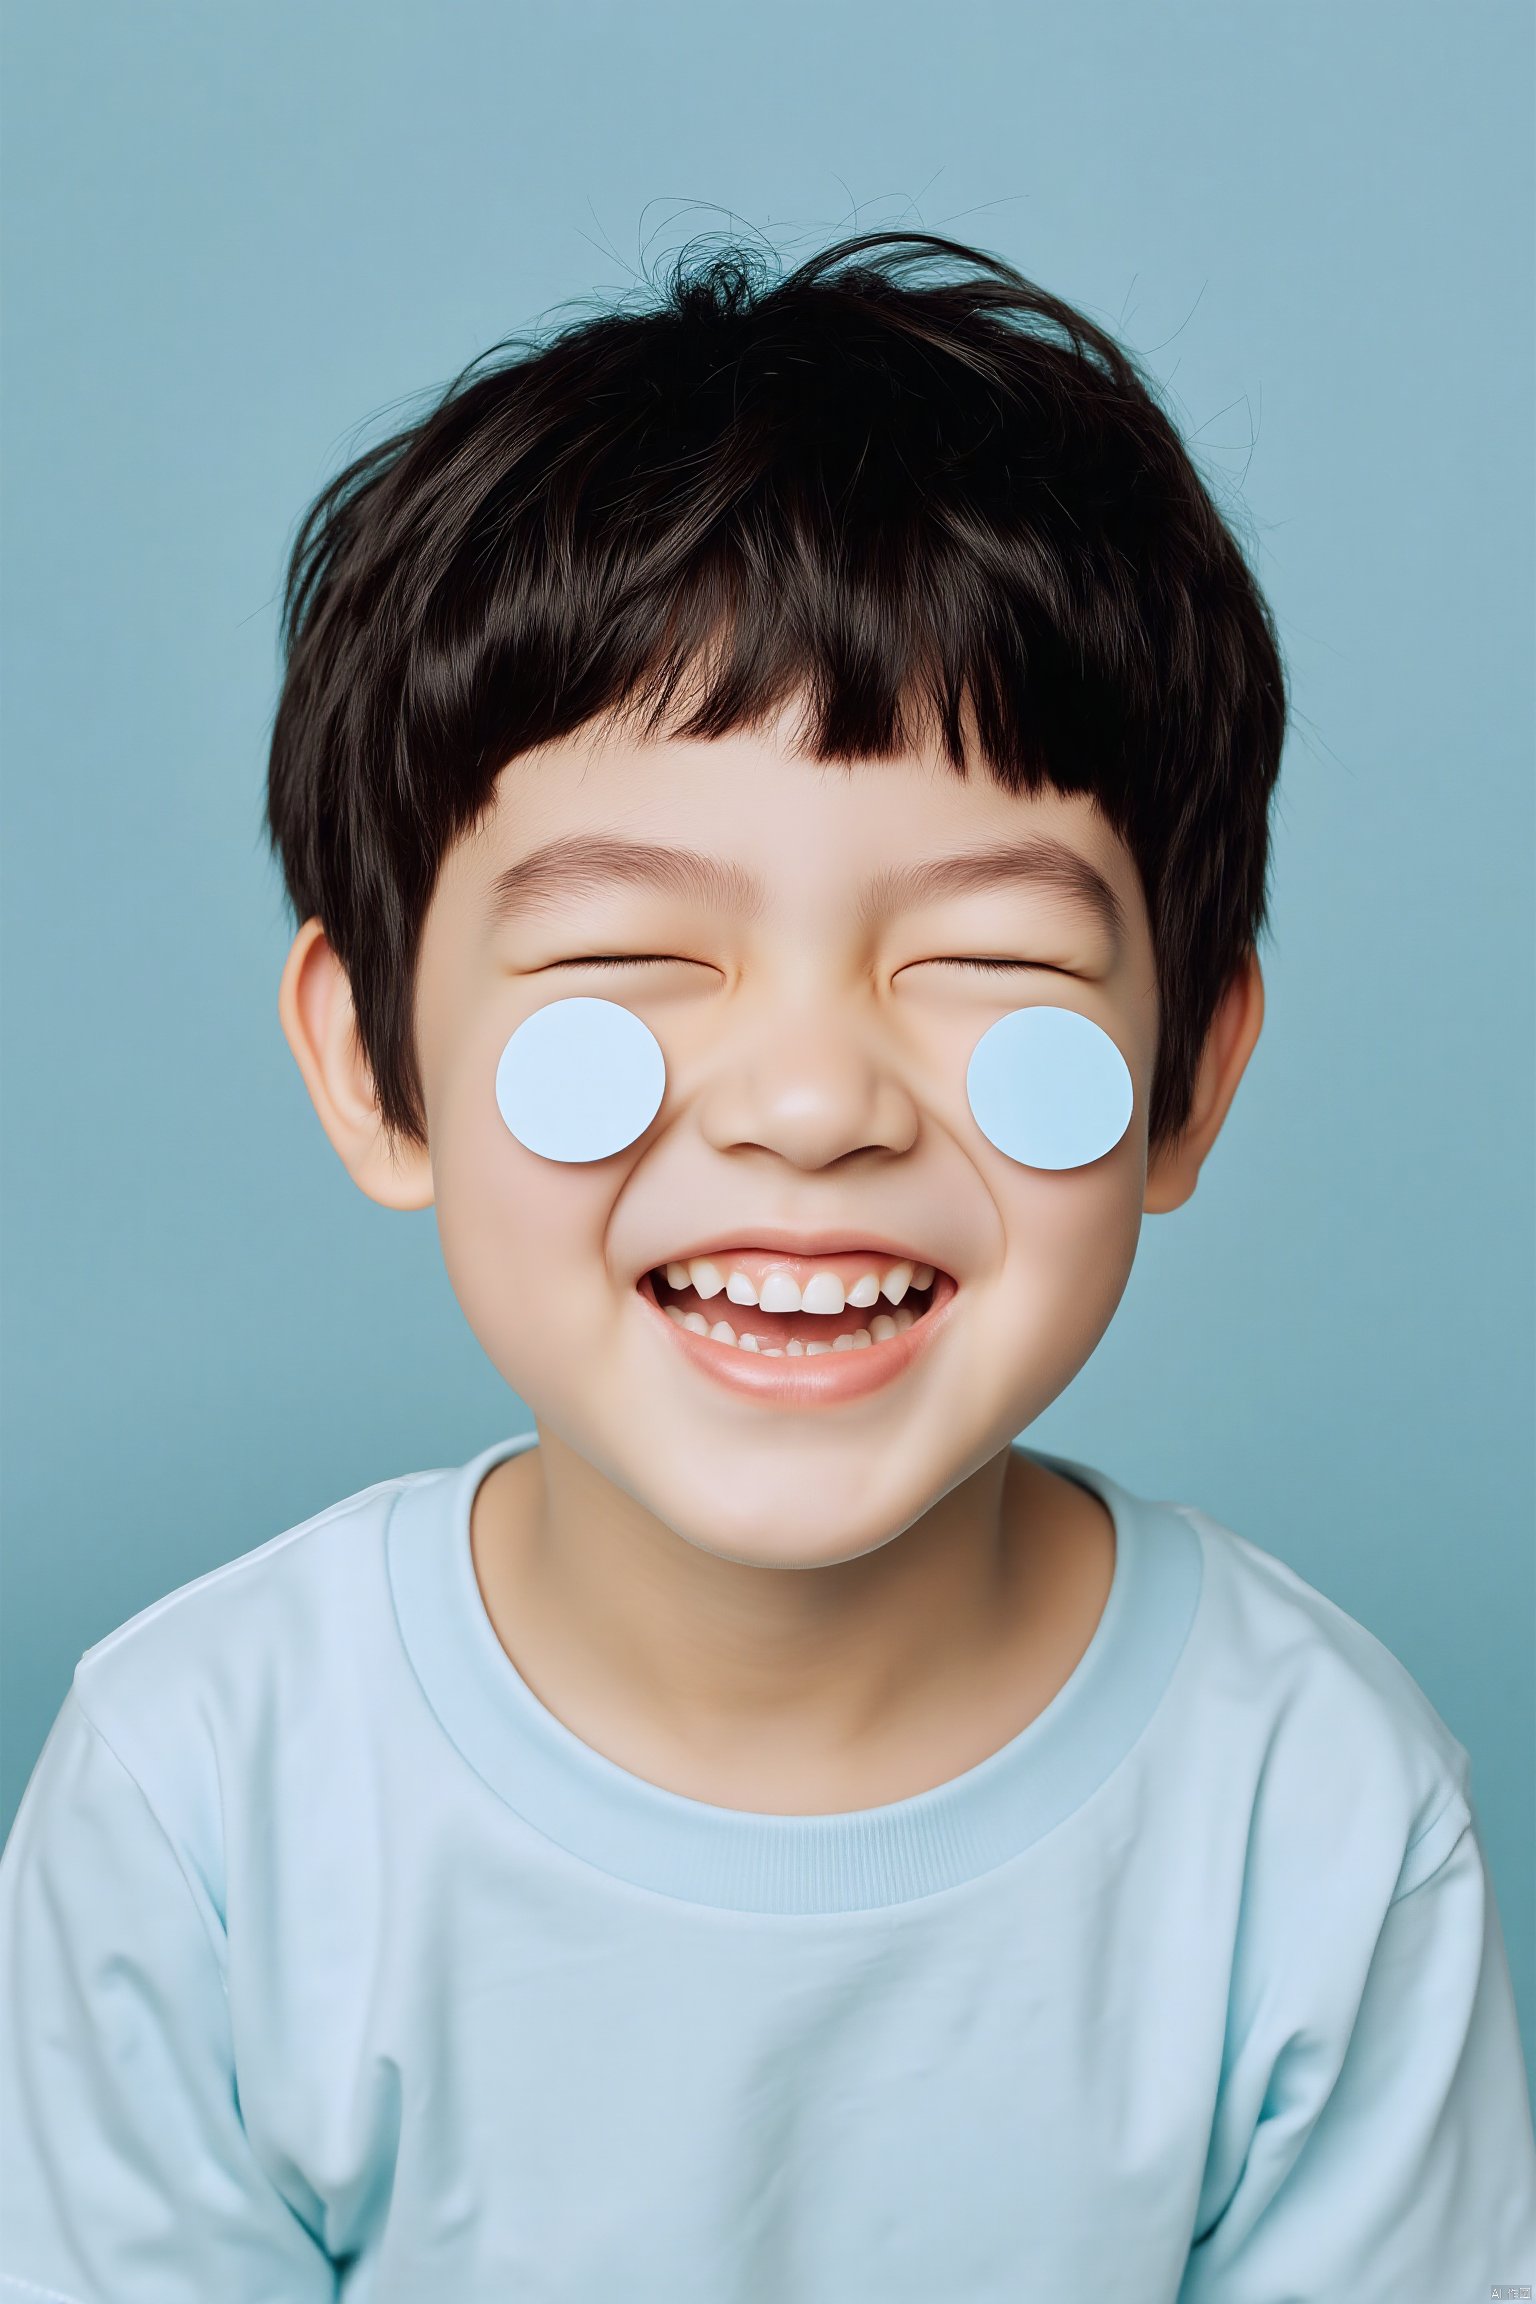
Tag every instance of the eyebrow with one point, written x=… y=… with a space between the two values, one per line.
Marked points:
x=582 y=865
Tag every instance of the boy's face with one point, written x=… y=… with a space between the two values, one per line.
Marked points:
x=815 y=1091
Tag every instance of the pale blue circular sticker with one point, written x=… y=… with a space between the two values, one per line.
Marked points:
x=1050 y=1088
x=580 y=1079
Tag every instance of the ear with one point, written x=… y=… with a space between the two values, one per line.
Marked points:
x=314 y=1006
x=1174 y=1171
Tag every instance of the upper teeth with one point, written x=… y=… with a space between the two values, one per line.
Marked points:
x=823 y=1292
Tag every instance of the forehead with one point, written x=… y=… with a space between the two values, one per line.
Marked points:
x=593 y=812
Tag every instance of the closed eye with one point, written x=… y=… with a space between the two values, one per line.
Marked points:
x=628 y=960
x=949 y=961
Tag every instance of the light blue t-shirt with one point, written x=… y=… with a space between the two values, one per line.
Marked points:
x=334 y=1966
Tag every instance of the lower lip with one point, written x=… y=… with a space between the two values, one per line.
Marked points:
x=824 y=1380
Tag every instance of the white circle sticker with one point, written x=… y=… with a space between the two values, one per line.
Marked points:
x=580 y=1079
x=1049 y=1087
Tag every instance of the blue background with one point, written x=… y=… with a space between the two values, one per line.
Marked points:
x=238 y=240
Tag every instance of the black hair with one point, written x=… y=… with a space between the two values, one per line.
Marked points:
x=900 y=482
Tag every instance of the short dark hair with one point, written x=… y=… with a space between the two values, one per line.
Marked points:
x=901 y=482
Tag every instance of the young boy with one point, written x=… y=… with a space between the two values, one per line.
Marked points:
x=775 y=790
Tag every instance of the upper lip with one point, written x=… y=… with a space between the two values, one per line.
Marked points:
x=778 y=1237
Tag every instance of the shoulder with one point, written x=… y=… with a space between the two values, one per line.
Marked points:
x=255 y=1591
x=278 y=1647
x=1350 y=1761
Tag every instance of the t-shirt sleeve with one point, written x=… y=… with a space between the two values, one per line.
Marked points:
x=126 y=2175
x=1386 y=2153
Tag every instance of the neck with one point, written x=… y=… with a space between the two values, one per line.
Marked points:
x=799 y=1691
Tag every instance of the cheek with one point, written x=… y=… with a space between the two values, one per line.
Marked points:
x=516 y=1231
x=1071 y=1244
x=1050 y=1087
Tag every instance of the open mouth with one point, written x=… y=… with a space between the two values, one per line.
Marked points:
x=763 y=1307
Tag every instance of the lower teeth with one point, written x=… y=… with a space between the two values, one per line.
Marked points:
x=884 y=1326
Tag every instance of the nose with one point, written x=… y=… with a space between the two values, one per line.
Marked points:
x=808 y=1086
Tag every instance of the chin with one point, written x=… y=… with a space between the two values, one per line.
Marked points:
x=766 y=1549
x=772 y=1529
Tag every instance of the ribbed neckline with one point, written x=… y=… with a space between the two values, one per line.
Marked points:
x=742 y=1861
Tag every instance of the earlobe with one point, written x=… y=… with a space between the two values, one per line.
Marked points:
x=1174 y=1171
x=314 y=1006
